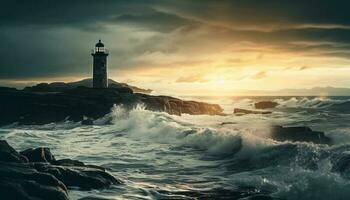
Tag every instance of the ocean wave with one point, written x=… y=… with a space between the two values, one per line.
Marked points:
x=308 y=102
x=243 y=154
x=164 y=128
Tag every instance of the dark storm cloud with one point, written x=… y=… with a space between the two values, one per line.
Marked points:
x=235 y=12
x=55 y=13
x=39 y=39
x=154 y=20
x=257 y=12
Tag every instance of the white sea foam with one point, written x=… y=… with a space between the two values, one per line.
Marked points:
x=165 y=128
x=309 y=102
x=153 y=150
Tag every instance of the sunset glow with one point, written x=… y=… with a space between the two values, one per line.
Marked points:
x=178 y=48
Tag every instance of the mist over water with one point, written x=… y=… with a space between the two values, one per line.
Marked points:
x=160 y=156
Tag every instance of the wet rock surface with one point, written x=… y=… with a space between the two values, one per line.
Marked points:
x=35 y=107
x=265 y=105
x=9 y=154
x=35 y=174
x=41 y=154
x=239 y=111
x=299 y=134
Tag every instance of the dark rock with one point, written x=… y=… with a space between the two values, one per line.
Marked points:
x=87 y=122
x=227 y=123
x=7 y=89
x=176 y=106
x=300 y=134
x=240 y=111
x=76 y=163
x=9 y=154
x=21 y=181
x=265 y=105
x=61 y=86
x=32 y=107
x=41 y=154
x=44 y=177
x=68 y=162
x=84 y=177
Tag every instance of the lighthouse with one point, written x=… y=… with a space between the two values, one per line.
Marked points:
x=99 y=54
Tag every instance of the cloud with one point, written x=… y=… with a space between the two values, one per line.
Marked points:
x=154 y=21
x=53 y=38
x=192 y=78
x=259 y=75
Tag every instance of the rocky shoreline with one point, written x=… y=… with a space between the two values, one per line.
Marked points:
x=42 y=106
x=35 y=174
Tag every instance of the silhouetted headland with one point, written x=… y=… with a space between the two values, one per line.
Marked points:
x=55 y=102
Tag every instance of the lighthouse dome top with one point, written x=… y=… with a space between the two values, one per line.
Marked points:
x=99 y=44
x=99 y=49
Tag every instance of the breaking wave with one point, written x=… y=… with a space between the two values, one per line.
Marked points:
x=164 y=128
x=310 y=102
x=161 y=156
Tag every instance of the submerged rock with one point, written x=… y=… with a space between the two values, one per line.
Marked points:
x=40 y=176
x=265 y=105
x=299 y=134
x=240 y=111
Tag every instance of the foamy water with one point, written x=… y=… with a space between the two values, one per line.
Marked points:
x=160 y=156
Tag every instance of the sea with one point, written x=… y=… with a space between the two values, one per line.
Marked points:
x=160 y=156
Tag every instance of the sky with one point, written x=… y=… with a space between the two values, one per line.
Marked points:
x=182 y=47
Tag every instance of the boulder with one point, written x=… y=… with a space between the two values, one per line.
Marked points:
x=21 y=181
x=9 y=154
x=83 y=177
x=265 y=105
x=299 y=134
x=41 y=176
x=240 y=111
x=41 y=154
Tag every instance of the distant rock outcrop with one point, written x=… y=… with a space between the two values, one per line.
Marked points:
x=37 y=175
x=61 y=86
x=265 y=105
x=299 y=134
x=239 y=111
x=33 y=106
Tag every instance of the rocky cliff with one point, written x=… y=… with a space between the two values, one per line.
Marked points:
x=30 y=106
